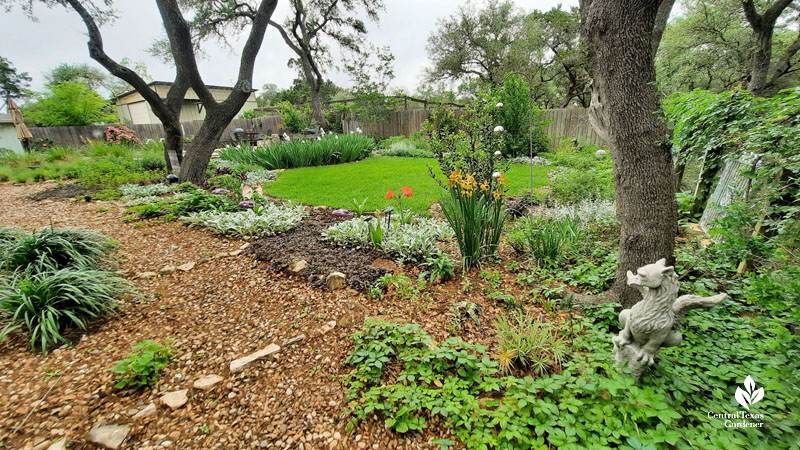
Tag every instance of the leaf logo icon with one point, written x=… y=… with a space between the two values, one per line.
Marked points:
x=750 y=395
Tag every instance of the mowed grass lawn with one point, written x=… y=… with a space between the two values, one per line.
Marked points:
x=337 y=185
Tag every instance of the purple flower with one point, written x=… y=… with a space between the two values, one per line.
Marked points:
x=247 y=204
x=219 y=191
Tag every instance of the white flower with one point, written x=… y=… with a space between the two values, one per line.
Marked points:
x=358 y=130
x=499 y=104
x=499 y=129
x=496 y=175
x=498 y=153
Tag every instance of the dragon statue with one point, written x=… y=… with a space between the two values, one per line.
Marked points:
x=655 y=321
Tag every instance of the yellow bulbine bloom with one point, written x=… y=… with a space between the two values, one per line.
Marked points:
x=498 y=194
x=466 y=186
x=484 y=186
x=471 y=180
x=502 y=178
x=455 y=175
x=467 y=193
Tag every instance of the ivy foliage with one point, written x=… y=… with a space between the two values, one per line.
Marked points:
x=590 y=404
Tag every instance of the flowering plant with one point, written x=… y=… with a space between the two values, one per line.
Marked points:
x=405 y=192
x=121 y=134
x=470 y=156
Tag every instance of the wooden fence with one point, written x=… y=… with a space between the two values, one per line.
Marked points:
x=77 y=136
x=562 y=123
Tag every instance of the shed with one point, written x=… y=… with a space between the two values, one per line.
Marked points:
x=132 y=108
x=8 y=134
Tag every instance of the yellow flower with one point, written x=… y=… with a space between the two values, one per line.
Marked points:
x=467 y=193
x=455 y=176
x=452 y=183
x=501 y=179
x=466 y=186
x=471 y=180
x=498 y=194
x=484 y=186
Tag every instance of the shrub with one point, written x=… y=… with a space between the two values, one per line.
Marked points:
x=530 y=343
x=47 y=302
x=202 y=201
x=546 y=239
x=55 y=248
x=516 y=114
x=441 y=268
x=120 y=134
x=296 y=119
x=268 y=220
x=143 y=365
x=332 y=149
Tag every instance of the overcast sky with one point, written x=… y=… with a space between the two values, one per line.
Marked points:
x=59 y=36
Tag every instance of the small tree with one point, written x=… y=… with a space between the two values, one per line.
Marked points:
x=69 y=104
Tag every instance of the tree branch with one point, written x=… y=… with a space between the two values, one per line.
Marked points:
x=784 y=64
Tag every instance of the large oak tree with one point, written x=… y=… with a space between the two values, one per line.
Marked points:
x=625 y=110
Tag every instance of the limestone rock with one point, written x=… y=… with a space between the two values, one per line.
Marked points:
x=147 y=411
x=328 y=327
x=236 y=252
x=207 y=382
x=60 y=445
x=187 y=267
x=166 y=270
x=335 y=280
x=240 y=364
x=299 y=267
x=175 y=399
x=221 y=255
x=294 y=340
x=108 y=436
x=146 y=275
x=245 y=246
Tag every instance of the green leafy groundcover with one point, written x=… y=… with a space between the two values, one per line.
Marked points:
x=590 y=404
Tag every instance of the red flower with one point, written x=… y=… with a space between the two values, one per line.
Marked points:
x=390 y=194
x=407 y=191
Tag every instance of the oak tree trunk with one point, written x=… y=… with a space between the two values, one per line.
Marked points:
x=625 y=111
x=761 y=61
x=316 y=106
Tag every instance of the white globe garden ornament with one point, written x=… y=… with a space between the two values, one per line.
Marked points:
x=655 y=321
x=498 y=153
x=499 y=105
x=499 y=129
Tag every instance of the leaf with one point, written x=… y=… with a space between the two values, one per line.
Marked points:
x=743 y=398
x=749 y=384
x=757 y=395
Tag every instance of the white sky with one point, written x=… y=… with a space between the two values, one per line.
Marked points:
x=59 y=36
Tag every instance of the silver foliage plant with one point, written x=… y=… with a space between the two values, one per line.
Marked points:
x=414 y=241
x=268 y=220
x=130 y=191
x=257 y=177
x=152 y=199
x=587 y=211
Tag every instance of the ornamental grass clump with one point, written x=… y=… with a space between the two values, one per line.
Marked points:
x=47 y=301
x=56 y=248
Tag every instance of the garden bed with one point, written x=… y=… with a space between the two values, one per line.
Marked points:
x=305 y=242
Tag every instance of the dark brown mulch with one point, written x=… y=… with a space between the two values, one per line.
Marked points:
x=305 y=242
x=69 y=190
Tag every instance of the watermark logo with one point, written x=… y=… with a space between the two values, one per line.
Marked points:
x=746 y=397
x=749 y=394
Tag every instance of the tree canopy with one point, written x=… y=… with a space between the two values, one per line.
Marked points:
x=69 y=103
x=12 y=82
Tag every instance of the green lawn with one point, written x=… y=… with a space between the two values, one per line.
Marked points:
x=337 y=185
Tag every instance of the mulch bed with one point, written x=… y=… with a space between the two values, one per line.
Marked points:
x=62 y=191
x=306 y=243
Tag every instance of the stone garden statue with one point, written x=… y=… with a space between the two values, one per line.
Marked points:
x=655 y=321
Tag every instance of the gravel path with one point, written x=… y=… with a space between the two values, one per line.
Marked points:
x=220 y=310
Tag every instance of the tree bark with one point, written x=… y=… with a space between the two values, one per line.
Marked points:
x=166 y=110
x=625 y=111
x=763 y=26
x=218 y=114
